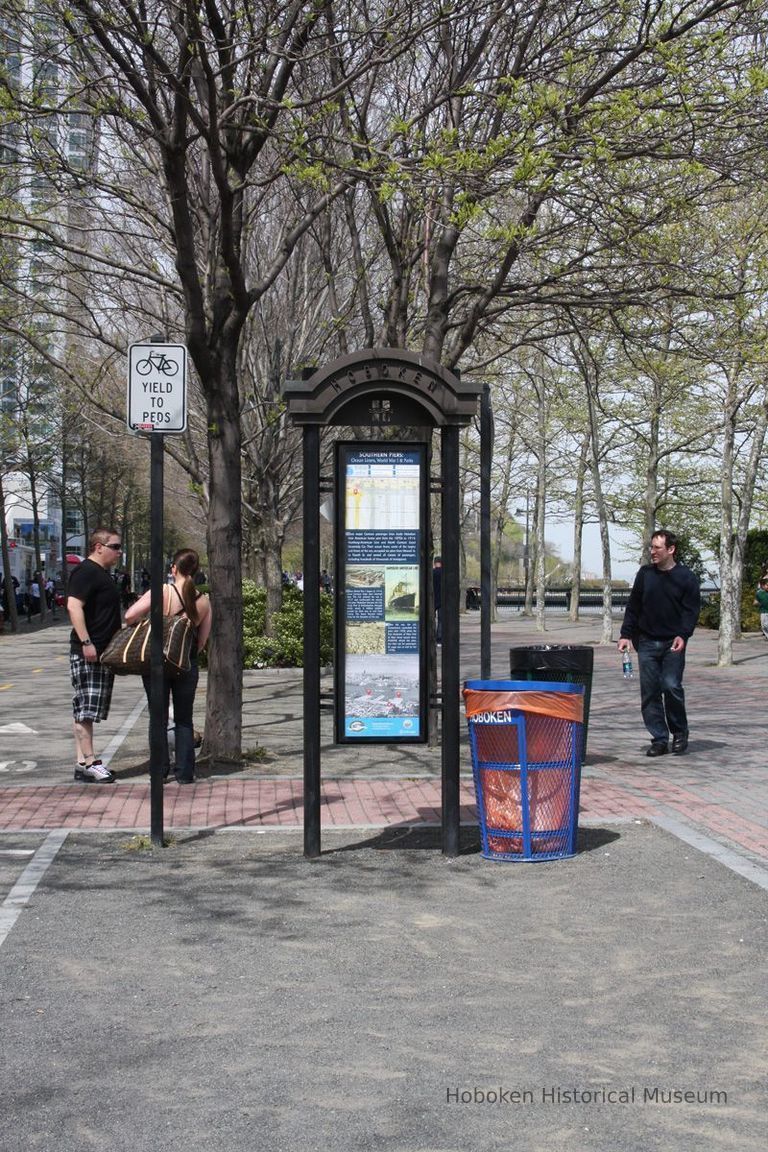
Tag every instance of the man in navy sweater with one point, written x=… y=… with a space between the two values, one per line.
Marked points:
x=660 y=617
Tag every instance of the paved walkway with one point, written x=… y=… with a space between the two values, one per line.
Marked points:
x=227 y=994
x=718 y=790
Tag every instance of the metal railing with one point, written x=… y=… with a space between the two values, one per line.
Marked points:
x=514 y=597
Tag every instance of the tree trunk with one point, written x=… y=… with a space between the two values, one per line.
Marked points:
x=35 y=506
x=6 y=554
x=271 y=541
x=64 y=508
x=651 y=498
x=590 y=385
x=502 y=519
x=578 y=528
x=531 y=555
x=734 y=528
x=223 y=720
x=745 y=505
x=728 y=583
x=541 y=506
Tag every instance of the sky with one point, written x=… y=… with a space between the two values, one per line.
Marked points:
x=624 y=550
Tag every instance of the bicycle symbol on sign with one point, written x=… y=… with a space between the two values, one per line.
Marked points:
x=159 y=362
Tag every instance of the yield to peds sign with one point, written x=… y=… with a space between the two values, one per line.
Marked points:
x=157 y=387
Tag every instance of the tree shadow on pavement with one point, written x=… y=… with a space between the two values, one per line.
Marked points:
x=399 y=837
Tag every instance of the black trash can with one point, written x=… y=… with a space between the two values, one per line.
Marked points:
x=565 y=663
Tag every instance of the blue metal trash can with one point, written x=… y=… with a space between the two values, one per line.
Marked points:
x=526 y=740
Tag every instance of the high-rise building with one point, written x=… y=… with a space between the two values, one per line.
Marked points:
x=37 y=131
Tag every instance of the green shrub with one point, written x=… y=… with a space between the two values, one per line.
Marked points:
x=285 y=649
x=750 y=613
x=755 y=561
x=755 y=556
x=709 y=617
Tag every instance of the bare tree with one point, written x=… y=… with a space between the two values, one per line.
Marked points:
x=589 y=370
x=201 y=111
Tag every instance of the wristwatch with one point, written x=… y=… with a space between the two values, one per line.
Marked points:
x=86 y=641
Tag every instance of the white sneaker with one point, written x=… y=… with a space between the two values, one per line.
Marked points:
x=94 y=773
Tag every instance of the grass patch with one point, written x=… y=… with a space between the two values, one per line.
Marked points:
x=143 y=843
x=255 y=755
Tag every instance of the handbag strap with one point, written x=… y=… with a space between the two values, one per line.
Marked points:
x=169 y=613
x=183 y=610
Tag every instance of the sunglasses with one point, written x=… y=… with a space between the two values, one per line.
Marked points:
x=114 y=547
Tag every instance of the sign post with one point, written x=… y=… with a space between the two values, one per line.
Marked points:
x=158 y=736
x=157 y=405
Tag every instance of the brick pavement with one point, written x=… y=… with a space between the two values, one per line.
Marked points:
x=720 y=788
x=275 y=802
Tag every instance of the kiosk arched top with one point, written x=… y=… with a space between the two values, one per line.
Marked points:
x=382 y=387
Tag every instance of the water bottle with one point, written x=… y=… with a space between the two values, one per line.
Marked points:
x=626 y=664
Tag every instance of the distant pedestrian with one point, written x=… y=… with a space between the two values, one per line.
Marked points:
x=125 y=590
x=34 y=596
x=472 y=599
x=93 y=603
x=761 y=599
x=660 y=617
x=144 y=581
x=437 y=597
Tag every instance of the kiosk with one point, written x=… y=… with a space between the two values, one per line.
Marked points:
x=386 y=389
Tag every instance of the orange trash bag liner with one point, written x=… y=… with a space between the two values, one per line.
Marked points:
x=564 y=706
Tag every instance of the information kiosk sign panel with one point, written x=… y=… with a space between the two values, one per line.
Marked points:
x=381 y=682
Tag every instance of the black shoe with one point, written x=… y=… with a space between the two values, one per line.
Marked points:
x=184 y=779
x=657 y=749
x=679 y=743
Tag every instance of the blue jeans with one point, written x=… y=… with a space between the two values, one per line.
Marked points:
x=183 y=690
x=662 y=699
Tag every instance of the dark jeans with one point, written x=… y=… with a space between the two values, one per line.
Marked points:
x=182 y=689
x=662 y=699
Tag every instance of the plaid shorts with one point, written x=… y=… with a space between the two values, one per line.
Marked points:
x=93 y=688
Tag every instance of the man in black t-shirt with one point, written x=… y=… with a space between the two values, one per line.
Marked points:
x=93 y=603
x=660 y=617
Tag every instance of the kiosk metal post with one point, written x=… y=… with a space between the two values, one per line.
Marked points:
x=451 y=719
x=486 y=455
x=311 y=567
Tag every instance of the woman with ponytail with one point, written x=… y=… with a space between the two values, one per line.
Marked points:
x=180 y=597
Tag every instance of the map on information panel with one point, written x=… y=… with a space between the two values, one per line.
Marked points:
x=382 y=509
